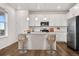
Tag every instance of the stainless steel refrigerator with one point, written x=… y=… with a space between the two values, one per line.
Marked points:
x=73 y=33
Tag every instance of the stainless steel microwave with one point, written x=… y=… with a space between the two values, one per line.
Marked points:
x=46 y=23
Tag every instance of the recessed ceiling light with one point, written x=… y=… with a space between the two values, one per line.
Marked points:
x=27 y=18
x=76 y=7
x=18 y=7
x=36 y=18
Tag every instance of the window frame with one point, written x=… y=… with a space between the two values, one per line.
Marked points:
x=5 y=25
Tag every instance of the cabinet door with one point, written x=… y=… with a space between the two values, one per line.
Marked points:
x=63 y=21
x=57 y=20
x=37 y=42
x=61 y=37
x=60 y=20
x=32 y=22
x=51 y=21
x=37 y=23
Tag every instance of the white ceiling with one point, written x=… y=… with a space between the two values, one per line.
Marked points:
x=42 y=6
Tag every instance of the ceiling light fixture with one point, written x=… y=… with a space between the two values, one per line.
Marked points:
x=27 y=18
x=36 y=18
x=45 y=18
x=58 y=7
x=76 y=7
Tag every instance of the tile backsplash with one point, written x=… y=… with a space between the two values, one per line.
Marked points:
x=56 y=29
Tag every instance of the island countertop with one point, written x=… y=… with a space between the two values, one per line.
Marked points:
x=46 y=32
x=43 y=32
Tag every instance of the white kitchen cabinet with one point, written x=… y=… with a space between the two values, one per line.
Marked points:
x=32 y=22
x=54 y=19
x=37 y=42
x=37 y=23
x=61 y=37
x=60 y=20
x=51 y=21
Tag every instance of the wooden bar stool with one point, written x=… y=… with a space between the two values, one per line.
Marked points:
x=51 y=42
x=22 y=42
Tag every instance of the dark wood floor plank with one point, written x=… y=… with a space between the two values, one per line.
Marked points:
x=68 y=50
x=62 y=50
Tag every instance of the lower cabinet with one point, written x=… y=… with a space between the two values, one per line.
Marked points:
x=37 y=42
x=61 y=37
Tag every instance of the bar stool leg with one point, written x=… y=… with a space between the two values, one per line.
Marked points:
x=23 y=49
x=51 y=50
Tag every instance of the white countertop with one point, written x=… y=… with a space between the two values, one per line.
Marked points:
x=45 y=33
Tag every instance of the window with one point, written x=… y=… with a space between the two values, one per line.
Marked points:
x=3 y=24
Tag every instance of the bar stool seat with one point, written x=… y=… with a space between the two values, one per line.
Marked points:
x=22 y=42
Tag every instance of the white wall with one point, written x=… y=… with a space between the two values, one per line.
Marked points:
x=11 y=38
x=22 y=23
x=16 y=24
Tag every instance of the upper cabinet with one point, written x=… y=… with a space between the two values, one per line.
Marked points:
x=60 y=20
x=35 y=21
x=32 y=22
x=53 y=19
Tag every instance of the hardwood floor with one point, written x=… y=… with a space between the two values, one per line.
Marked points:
x=62 y=50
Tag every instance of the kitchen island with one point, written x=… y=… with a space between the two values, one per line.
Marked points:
x=38 y=41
